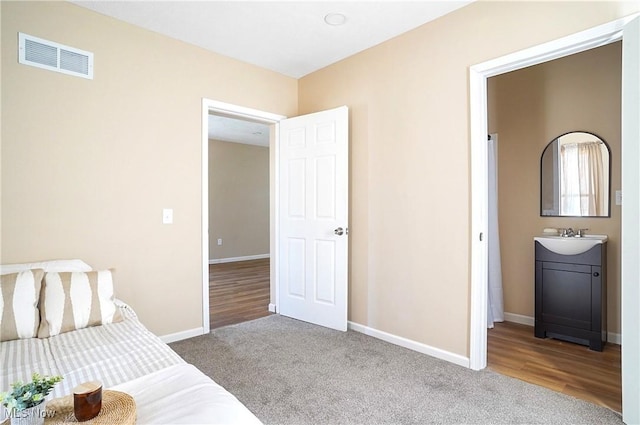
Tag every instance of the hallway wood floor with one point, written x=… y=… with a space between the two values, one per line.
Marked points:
x=238 y=292
x=568 y=368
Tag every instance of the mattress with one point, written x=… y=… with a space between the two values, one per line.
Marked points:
x=127 y=357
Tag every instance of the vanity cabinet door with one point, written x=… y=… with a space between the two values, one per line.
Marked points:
x=566 y=295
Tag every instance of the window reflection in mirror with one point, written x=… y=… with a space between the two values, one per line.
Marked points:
x=574 y=176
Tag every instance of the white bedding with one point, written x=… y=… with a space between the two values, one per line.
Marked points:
x=116 y=352
x=127 y=357
x=181 y=394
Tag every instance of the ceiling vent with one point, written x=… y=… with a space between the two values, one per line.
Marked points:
x=54 y=56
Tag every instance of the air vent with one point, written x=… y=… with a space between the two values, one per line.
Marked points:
x=54 y=56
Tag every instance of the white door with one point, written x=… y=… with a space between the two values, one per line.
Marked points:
x=313 y=211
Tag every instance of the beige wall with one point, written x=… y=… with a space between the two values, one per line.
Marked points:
x=107 y=155
x=88 y=165
x=238 y=199
x=531 y=107
x=410 y=158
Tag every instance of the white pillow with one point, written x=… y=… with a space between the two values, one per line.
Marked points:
x=54 y=266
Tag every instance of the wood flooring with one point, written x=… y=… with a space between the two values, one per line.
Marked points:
x=238 y=292
x=565 y=367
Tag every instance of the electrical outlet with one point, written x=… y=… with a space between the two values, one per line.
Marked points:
x=167 y=216
x=219 y=241
x=618 y=197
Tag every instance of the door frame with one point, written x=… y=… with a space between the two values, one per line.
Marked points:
x=241 y=112
x=478 y=75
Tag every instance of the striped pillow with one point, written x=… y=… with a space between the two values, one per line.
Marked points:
x=19 y=294
x=76 y=300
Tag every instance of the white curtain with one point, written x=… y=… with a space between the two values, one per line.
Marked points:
x=495 y=303
x=581 y=179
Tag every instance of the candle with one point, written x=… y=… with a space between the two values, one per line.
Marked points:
x=87 y=400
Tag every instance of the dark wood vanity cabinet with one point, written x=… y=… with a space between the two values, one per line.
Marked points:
x=571 y=296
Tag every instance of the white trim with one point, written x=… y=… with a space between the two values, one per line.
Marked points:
x=205 y=216
x=478 y=74
x=234 y=259
x=479 y=220
x=579 y=42
x=519 y=318
x=235 y=111
x=630 y=227
x=272 y=308
x=229 y=110
x=614 y=338
x=410 y=344
x=179 y=336
x=274 y=145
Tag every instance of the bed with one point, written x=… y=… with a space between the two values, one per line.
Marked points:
x=125 y=356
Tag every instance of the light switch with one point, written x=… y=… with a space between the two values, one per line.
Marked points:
x=167 y=216
x=618 y=197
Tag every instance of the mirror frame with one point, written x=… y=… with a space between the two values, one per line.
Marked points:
x=608 y=177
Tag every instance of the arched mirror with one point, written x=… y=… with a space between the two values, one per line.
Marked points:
x=575 y=171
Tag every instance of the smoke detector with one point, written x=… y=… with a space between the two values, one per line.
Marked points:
x=335 y=19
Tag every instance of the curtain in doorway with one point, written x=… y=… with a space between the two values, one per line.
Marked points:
x=495 y=303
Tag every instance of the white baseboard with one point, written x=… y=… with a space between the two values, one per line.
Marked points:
x=519 y=318
x=234 y=259
x=179 y=336
x=410 y=344
x=272 y=307
x=614 y=338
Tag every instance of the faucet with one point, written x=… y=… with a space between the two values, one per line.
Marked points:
x=580 y=233
x=568 y=232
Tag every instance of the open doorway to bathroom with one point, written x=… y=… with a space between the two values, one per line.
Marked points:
x=529 y=108
x=239 y=219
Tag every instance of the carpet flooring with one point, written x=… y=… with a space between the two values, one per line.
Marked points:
x=291 y=372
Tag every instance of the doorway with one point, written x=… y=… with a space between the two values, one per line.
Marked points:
x=530 y=107
x=239 y=256
x=229 y=111
x=627 y=29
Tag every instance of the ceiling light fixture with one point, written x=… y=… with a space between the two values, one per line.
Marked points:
x=335 y=19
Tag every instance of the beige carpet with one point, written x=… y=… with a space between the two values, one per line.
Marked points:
x=290 y=372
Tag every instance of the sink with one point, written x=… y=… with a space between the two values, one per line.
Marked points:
x=572 y=245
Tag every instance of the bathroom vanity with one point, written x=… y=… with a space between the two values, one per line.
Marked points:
x=571 y=289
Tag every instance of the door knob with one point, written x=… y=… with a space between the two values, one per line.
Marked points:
x=339 y=231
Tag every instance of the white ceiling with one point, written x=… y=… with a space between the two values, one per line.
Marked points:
x=288 y=37
x=238 y=131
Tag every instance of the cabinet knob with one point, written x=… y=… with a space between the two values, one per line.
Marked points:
x=596 y=274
